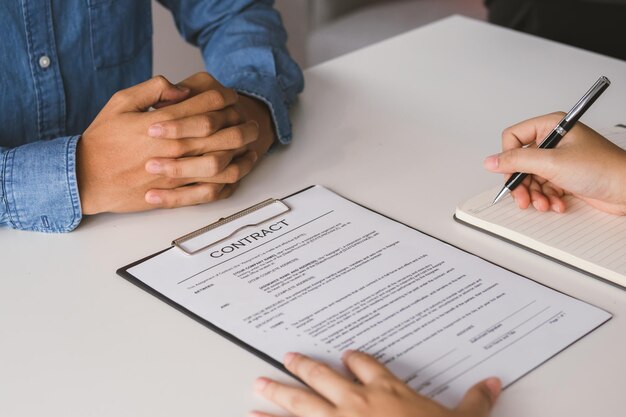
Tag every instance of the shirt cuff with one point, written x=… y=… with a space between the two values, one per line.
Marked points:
x=39 y=186
x=268 y=90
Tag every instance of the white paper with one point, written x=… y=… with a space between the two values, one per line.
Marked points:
x=331 y=275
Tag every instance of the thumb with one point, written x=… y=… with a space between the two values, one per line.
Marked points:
x=479 y=400
x=148 y=93
x=528 y=160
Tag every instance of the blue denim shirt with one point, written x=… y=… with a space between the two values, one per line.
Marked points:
x=60 y=62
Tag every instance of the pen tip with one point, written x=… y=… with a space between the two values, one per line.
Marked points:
x=500 y=195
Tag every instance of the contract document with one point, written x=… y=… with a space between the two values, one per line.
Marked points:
x=330 y=275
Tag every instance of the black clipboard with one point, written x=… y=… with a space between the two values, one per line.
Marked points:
x=123 y=272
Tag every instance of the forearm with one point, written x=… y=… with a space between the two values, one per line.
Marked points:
x=38 y=187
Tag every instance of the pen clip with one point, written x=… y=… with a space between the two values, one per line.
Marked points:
x=587 y=100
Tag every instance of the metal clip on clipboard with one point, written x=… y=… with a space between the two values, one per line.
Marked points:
x=226 y=227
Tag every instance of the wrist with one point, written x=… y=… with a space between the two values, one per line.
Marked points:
x=84 y=180
x=258 y=111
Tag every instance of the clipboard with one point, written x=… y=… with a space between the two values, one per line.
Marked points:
x=192 y=243
x=184 y=244
x=271 y=209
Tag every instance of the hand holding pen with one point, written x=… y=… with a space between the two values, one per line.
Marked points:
x=585 y=164
x=557 y=133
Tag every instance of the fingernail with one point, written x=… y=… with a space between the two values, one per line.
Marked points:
x=255 y=156
x=260 y=384
x=153 y=199
x=556 y=208
x=183 y=89
x=154 y=167
x=491 y=162
x=289 y=357
x=495 y=387
x=155 y=131
x=536 y=205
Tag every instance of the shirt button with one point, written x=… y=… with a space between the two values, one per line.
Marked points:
x=44 y=62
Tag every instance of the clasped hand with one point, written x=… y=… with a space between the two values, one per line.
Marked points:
x=200 y=140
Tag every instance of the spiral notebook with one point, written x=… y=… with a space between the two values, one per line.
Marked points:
x=583 y=237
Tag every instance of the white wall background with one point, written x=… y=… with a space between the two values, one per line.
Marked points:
x=173 y=57
x=176 y=59
x=318 y=29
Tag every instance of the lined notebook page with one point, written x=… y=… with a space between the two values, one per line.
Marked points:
x=583 y=237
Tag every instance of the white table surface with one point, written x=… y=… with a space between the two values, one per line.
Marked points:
x=402 y=127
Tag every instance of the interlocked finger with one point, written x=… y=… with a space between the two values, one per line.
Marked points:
x=196 y=126
x=236 y=170
x=206 y=101
x=200 y=81
x=199 y=168
x=230 y=138
x=188 y=195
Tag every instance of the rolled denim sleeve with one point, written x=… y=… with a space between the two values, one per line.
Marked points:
x=39 y=188
x=243 y=43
